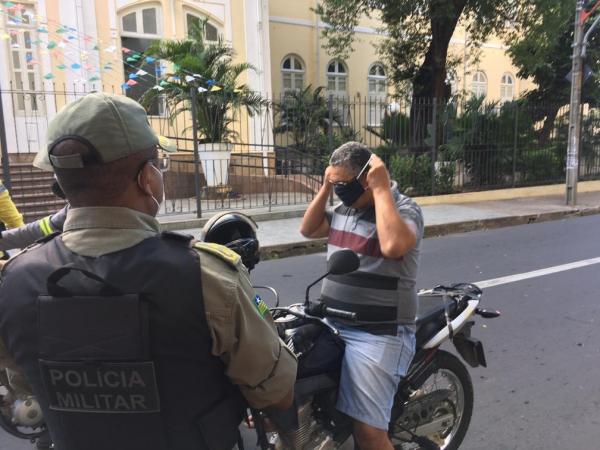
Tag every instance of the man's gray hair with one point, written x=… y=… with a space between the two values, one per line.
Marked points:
x=352 y=155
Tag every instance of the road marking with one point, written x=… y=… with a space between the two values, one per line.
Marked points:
x=536 y=273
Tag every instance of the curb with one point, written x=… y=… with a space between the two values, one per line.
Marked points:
x=258 y=217
x=320 y=245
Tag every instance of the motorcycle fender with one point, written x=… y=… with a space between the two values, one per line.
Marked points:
x=470 y=349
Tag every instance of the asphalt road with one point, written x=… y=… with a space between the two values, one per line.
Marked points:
x=541 y=389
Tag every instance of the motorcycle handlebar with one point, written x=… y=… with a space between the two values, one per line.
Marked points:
x=332 y=312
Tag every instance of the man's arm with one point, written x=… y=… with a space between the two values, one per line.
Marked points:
x=244 y=336
x=27 y=234
x=396 y=235
x=315 y=223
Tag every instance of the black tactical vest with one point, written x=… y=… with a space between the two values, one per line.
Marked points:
x=117 y=348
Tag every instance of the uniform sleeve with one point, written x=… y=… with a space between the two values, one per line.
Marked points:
x=27 y=234
x=257 y=361
x=8 y=211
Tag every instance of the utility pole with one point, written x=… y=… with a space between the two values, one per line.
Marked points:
x=575 y=109
x=579 y=46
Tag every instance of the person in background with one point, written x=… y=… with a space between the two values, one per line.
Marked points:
x=9 y=215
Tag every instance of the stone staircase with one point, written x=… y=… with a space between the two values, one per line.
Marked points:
x=31 y=191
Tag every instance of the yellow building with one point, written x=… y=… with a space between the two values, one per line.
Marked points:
x=58 y=49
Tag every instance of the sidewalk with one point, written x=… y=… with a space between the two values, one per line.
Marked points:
x=279 y=236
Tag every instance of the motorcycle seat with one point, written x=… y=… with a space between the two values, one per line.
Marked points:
x=431 y=318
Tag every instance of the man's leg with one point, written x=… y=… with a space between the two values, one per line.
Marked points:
x=371 y=438
x=373 y=367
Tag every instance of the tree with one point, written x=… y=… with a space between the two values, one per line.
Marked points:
x=418 y=37
x=540 y=46
x=209 y=66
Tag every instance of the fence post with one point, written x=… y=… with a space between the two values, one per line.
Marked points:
x=330 y=137
x=434 y=145
x=196 y=154
x=515 y=145
x=4 y=145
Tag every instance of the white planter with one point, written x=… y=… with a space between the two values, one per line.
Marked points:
x=214 y=158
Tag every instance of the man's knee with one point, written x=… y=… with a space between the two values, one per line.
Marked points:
x=371 y=438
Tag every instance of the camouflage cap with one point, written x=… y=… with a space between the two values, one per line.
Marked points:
x=112 y=126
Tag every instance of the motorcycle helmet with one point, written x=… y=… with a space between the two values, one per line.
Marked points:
x=235 y=231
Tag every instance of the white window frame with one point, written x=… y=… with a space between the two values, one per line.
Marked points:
x=27 y=104
x=337 y=76
x=507 y=86
x=200 y=16
x=376 y=98
x=479 y=87
x=162 y=109
x=140 y=22
x=296 y=75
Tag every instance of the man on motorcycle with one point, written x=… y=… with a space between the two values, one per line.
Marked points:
x=385 y=228
x=130 y=338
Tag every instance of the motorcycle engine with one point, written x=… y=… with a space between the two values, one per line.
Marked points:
x=309 y=435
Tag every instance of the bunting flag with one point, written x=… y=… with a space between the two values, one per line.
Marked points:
x=131 y=83
x=214 y=88
x=51 y=45
x=49 y=76
x=158 y=88
x=132 y=76
x=75 y=66
x=95 y=78
x=189 y=78
x=141 y=73
x=125 y=86
x=150 y=59
x=61 y=67
x=202 y=89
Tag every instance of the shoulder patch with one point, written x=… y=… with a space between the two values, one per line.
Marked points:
x=220 y=251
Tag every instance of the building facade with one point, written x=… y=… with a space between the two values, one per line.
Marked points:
x=75 y=46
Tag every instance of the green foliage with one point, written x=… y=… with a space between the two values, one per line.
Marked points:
x=305 y=117
x=540 y=46
x=414 y=174
x=394 y=129
x=210 y=61
x=418 y=32
x=542 y=165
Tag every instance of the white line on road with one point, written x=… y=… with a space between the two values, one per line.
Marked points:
x=536 y=273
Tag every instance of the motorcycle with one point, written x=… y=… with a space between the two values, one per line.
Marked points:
x=434 y=403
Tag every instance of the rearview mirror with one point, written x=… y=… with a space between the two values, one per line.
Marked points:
x=342 y=262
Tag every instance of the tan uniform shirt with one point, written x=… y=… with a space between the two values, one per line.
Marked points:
x=256 y=359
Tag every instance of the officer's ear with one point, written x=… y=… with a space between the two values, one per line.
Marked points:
x=144 y=177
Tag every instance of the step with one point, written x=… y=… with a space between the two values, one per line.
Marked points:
x=29 y=179
x=34 y=197
x=28 y=188
x=34 y=207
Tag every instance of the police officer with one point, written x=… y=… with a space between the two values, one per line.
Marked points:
x=137 y=339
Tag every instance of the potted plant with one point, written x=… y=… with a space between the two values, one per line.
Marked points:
x=208 y=68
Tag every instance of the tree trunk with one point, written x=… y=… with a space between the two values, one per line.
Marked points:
x=430 y=85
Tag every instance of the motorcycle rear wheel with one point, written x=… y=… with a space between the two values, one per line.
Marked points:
x=452 y=382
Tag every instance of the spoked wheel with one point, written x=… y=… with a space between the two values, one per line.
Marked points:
x=440 y=410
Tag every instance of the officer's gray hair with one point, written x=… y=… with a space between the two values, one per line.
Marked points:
x=352 y=155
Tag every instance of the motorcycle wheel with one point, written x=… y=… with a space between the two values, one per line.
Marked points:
x=450 y=382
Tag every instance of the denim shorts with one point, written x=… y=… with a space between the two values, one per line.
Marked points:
x=372 y=368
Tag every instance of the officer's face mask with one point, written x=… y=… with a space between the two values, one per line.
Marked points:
x=350 y=191
x=161 y=166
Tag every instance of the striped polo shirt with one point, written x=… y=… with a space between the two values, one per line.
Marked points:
x=382 y=291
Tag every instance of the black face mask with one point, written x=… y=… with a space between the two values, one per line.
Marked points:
x=349 y=193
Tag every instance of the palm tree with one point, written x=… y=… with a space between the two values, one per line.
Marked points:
x=208 y=66
x=304 y=114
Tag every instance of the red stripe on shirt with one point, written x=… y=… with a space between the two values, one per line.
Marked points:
x=356 y=242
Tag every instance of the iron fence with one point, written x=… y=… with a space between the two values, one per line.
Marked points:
x=274 y=153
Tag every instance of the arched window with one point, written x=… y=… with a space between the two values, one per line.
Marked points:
x=507 y=88
x=337 y=85
x=337 y=78
x=292 y=72
x=479 y=84
x=139 y=29
x=211 y=30
x=377 y=93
